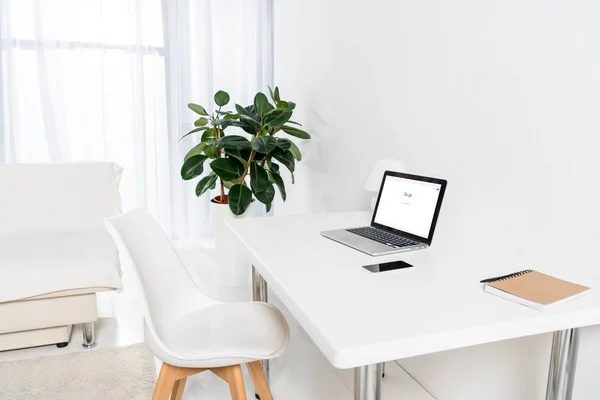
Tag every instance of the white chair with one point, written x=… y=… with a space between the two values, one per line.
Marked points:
x=187 y=330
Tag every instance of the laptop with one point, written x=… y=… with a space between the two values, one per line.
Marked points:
x=404 y=218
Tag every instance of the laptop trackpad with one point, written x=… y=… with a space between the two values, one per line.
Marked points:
x=356 y=241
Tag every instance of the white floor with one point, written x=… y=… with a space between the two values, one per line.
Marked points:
x=302 y=373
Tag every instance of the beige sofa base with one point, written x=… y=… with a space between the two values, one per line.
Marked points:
x=43 y=321
x=35 y=337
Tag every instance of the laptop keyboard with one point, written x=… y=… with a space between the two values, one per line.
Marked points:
x=381 y=236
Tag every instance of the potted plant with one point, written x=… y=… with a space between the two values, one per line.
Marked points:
x=247 y=163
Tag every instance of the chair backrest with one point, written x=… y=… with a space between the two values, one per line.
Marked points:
x=168 y=289
x=50 y=198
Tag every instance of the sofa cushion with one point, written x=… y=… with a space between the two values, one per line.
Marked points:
x=35 y=265
x=44 y=198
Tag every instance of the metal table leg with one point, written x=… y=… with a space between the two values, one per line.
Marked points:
x=367 y=382
x=563 y=360
x=260 y=293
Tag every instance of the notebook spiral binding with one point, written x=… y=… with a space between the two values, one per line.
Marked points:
x=511 y=276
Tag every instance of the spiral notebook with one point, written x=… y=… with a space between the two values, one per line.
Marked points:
x=533 y=289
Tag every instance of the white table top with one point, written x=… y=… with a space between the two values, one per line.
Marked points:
x=358 y=318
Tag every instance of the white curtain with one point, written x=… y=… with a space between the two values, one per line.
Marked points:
x=111 y=79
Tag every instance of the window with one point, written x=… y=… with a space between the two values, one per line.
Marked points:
x=110 y=80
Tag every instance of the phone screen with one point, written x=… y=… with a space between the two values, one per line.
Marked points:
x=389 y=266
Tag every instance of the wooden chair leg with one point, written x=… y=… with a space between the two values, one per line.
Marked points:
x=178 y=387
x=236 y=382
x=165 y=382
x=260 y=382
x=171 y=381
x=221 y=372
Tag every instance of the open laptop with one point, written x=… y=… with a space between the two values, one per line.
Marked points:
x=404 y=219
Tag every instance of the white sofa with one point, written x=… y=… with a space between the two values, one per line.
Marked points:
x=55 y=254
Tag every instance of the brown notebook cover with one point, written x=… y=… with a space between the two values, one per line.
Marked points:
x=536 y=287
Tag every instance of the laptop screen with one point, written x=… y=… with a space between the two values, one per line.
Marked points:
x=407 y=205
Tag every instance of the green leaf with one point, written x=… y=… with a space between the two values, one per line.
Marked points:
x=209 y=135
x=267 y=195
x=242 y=156
x=290 y=105
x=294 y=122
x=264 y=144
x=284 y=144
x=228 y=184
x=251 y=123
x=280 y=185
x=280 y=120
x=242 y=111
x=196 y=150
x=248 y=119
x=259 y=179
x=193 y=167
x=227 y=168
x=231 y=116
x=223 y=112
x=295 y=151
x=282 y=104
x=299 y=133
x=205 y=184
x=252 y=110
x=268 y=206
x=259 y=156
x=240 y=198
x=194 y=131
x=221 y=98
x=198 y=109
x=272 y=94
x=233 y=142
x=248 y=128
x=261 y=104
x=225 y=123
x=211 y=151
x=276 y=112
x=272 y=166
x=286 y=158
x=277 y=98
x=201 y=121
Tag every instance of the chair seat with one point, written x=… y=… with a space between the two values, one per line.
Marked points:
x=39 y=265
x=225 y=334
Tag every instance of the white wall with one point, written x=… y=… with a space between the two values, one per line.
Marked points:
x=500 y=97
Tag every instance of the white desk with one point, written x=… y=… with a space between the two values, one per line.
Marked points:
x=360 y=320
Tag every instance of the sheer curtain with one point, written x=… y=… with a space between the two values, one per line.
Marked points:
x=110 y=80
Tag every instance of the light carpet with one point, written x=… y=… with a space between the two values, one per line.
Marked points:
x=124 y=373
